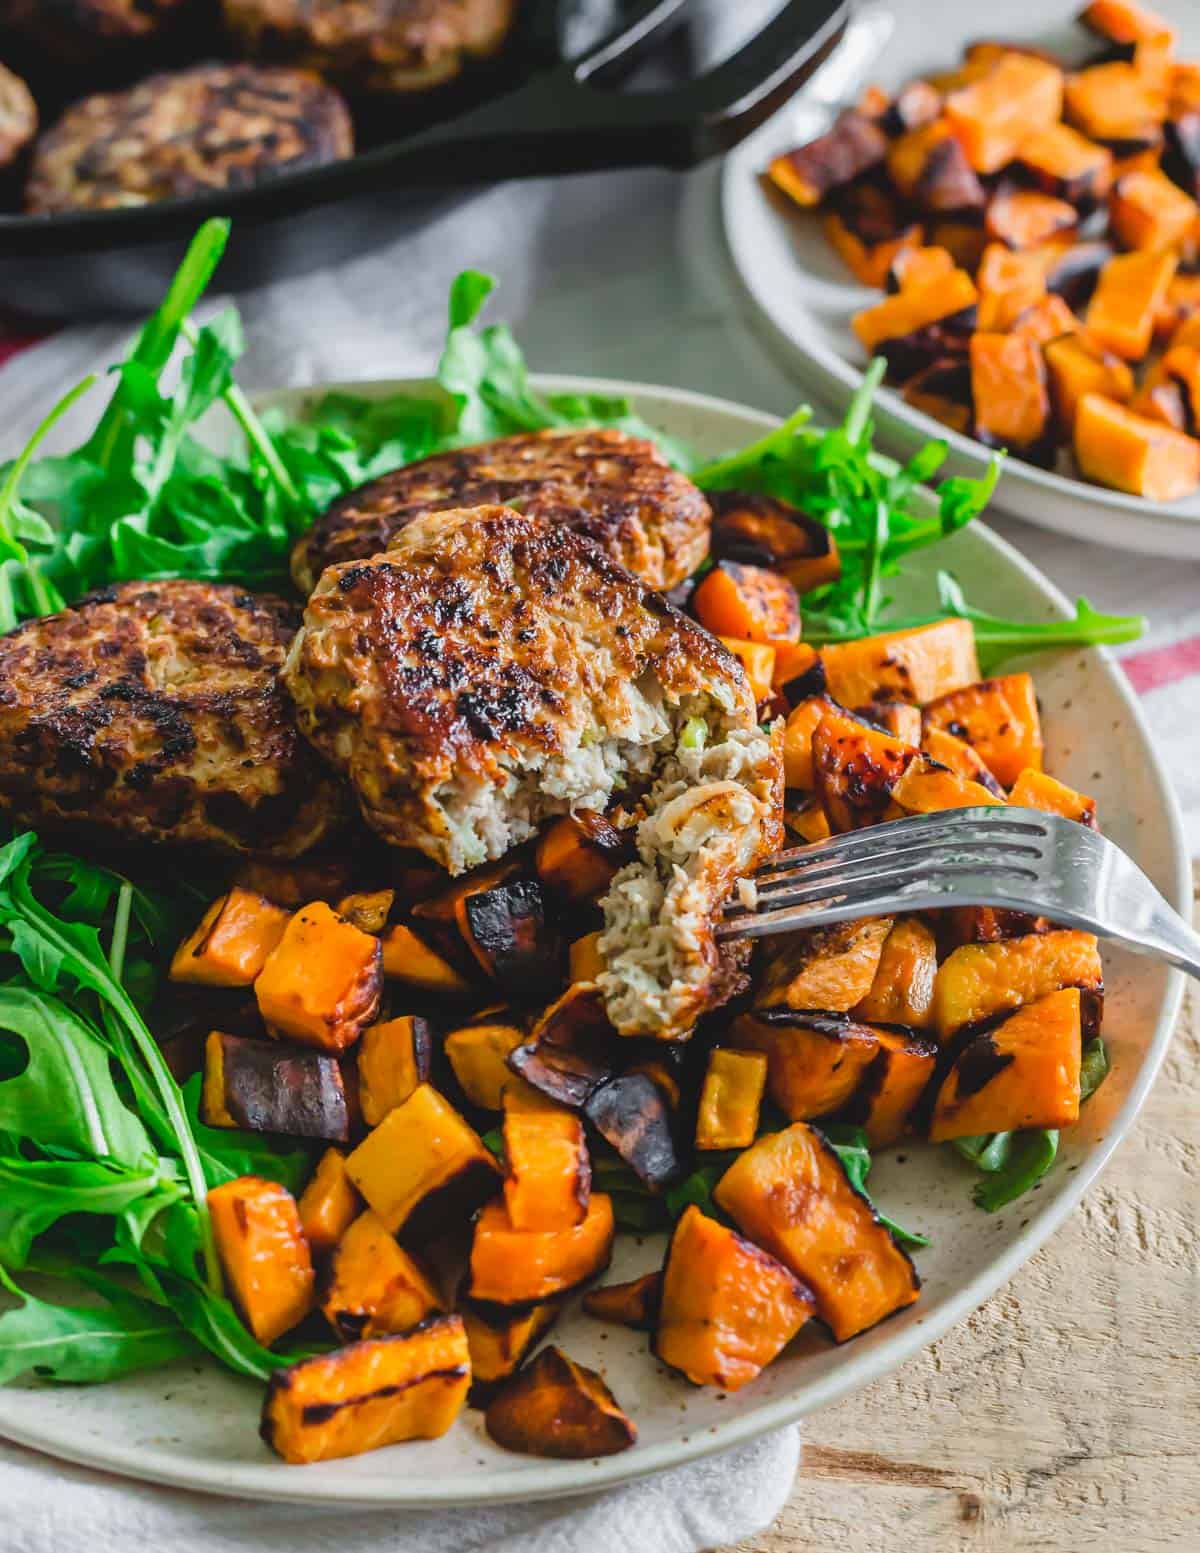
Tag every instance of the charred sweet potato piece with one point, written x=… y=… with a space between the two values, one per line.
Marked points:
x=409 y=1387
x=578 y=855
x=296 y=883
x=584 y=960
x=917 y=266
x=555 y=1407
x=264 y=1255
x=750 y=602
x=1075 y=366
x=855 y=770
x=978 y=981
x=1117 y=105
x=1148 y=211
x=963 y=239
x=631 y=1114
x=393 y=1058
x=372 y=1287
x=322 y=983
x=1058 y=160
x=986 y=925
x=960 y=757
x=758 y=660
x=893 y=1085
x=1027 y=218
x=815 y=1062
x=728 y=1307
x=808 y=821
x=899 y=718
x=1123 y=22
x=1073 y=272
x=902 y=991
x=992 y=116
x=1129 y=452
x=408 y=959
x=915 y=665
x=798 y=739
x=633 y=1304
x=510 y=1266
x=1131 y=290
x=478 y=1053
x=868 y=228
x=930 y=169
x=1181 y=154
x=1009 y=282
x=264 y=1087
x=329 y=1204
x=824 y=968
x=1035 y=790
x=501 y=1340
x=943 y=390
x=730 y=1099
x=367 y=909
x=422 y=1166
x=789 y=1193
x=948 y=297
x=1169 y=390
x=1046 y=320
x=807 y=174
x=1008 y=390
x=1024 y=1073
x=999 y=718
x=765 y=531
x=512 y=936
x=548 y=1180
x=569 y=1052
x=926 y=788
x=230 y=944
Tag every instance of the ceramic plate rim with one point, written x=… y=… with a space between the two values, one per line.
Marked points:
x=272 y=1482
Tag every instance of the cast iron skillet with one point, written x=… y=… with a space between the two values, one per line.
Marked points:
x=560 y=119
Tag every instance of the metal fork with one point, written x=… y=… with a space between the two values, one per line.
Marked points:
x=1015 y=859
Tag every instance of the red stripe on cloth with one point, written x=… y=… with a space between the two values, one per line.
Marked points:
x=18 y=333
x=1159 y=666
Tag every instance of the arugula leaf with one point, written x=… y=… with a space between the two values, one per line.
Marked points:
x=850 y=1145
x=35 y=1194
x=1093 y=1068
x=1015 y=1168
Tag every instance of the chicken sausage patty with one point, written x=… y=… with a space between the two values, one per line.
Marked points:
x=18 y=117
x=185 y=133
x=373 y=45
x=616 y=489
x=493 y=669
x=153 y=712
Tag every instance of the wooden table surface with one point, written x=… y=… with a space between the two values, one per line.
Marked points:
x=1064 y=1415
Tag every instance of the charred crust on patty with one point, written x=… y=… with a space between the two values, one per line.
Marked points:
x=18 y=118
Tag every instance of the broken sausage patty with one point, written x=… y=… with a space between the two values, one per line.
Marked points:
x=616 y=489
x=493 y=669
x=181 y=134
x=153 y=712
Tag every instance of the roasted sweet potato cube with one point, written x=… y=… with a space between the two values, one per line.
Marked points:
x=409 y=959
x=927 y=788
x=855 y=770
x=1060 y=161
x=548 y=1180
x=789 y=1194
x=393 y=1058
x=264 y=1255
x=894 y=1085
x=829 y=968
x=798 y=740
x=758 y=661
x=1073 y=271
x=1027 y=218
x=512 y=936
x=409 y=1387
x=998 y=718
x=367 y=909
x=1128 y=298
x=854 y=145
x=958 y=756
x=329 y=1203
x=930 y=169
x=423 y=1166
x=749 y=602
x=985 y=925
x=808 y=821
x=500 y=1341
x=728 y=1307
x=1148 y=211
x=868 y=260
x=478 y=1054
x=730 y=1099
x=1009 y=282
x=815 y=1062
x=555 y=1407
x=265 y=1087
x=1024 y=1073
x=520 y=1267
x=766 y=531
x=322 y=982
x=584 y=960
x=568 y=1053
x=992 y=116
x=917 y=266
x=1075 y=366
x=979 y=981
x=963 y=239
x=373 y=1287
x=1035 y=790
x=631 y=1114
x=911 y=665
x=1129 y=452
x=914 y=309
x=902 y=990
x=230 y=945
x=1009 y=392
x=1124 y=23
x=1047 y=320
x=633 y=1304
x=943 y=390
x=899 y=718
x=579 y=854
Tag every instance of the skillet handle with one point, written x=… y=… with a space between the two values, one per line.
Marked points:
x=560 y=122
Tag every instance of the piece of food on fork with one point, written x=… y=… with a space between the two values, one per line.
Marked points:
x=493 y=670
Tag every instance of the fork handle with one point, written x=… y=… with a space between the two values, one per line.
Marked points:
x=1165 y=936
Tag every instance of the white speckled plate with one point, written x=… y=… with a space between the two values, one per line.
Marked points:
x=195 y=1426
x=804 y=296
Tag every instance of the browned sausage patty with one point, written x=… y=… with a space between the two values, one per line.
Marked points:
x=18 y=117
x=373 y=45
x=180 y=134
x=617 y=490
x=153 y=712
x=71 y=28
